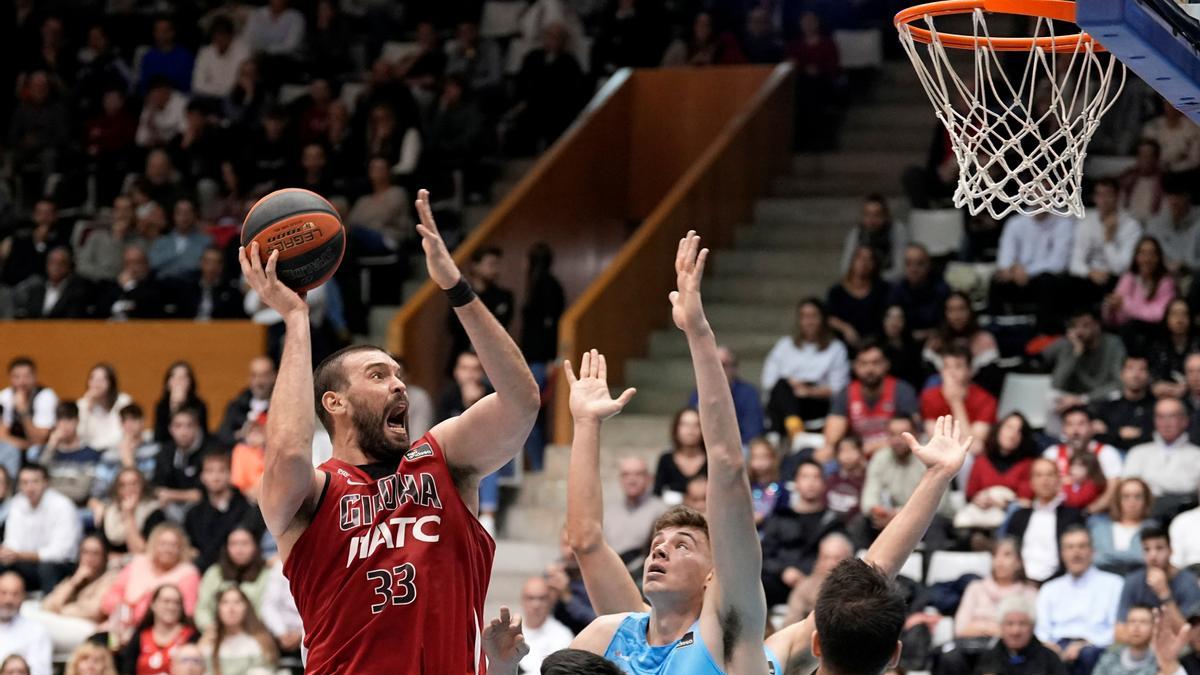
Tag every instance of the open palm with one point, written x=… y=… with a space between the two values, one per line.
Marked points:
x=946 y=450
x=503 y=640
x=686 y=308
x=590 y=398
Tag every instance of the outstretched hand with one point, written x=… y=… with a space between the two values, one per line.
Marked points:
x=946 y=450
x=590 y=399
x=503 y=641
x=265 y=282
x=1167 y=643
x=686 y=308
x=441 y=265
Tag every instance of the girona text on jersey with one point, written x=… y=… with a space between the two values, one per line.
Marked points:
x=392 y=491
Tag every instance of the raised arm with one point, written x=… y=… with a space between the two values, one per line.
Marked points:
x=494 y=430
x=609 y=586
x=289 y=482
x=735 y=609
x=943 y=456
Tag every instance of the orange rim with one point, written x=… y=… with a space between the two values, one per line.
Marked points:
x=1058 y=10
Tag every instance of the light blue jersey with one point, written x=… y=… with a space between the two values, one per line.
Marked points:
x=686 y=656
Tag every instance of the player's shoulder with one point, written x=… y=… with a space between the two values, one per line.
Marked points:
x=600 y=632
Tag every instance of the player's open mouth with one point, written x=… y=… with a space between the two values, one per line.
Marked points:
x=395 y=420
x=656 y=568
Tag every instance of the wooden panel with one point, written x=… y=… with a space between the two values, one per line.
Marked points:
x=574 y=199
x=715 y=194
x=611 y=177
x=141 y=351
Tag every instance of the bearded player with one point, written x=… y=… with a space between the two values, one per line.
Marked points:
x=387 y=562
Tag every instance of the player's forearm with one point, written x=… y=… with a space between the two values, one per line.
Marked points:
x=290 y=424
x=898 y=540
x=718 y=419
x=585 y=501
x=502 y=361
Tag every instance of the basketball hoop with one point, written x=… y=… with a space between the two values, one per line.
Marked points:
x=1019 y=143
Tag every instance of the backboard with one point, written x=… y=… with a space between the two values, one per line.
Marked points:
x=1159 y=40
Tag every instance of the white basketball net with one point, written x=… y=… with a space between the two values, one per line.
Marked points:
x=1020 y=144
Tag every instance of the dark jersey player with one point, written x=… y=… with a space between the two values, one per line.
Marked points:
x=387 y=562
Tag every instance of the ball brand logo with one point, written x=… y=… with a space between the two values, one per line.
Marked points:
x=291 y=236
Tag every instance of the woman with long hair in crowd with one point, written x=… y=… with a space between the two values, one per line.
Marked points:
x=1139 y=302
x=768 y=491
x=163 y=627
x=130 y=514
x=1117 y=535
x=999 y=474
x=179 y=391
x=960 y=326
x=73 y=610
x=804 y=370
x=976 y=623
x=237 y=643
x=1168 y=350
x=90 y=658
x=902 y=351
x=856 y=303
x=241 y=564
x=100 y=409
x=164 y=562
x=683 y=461
x=703 y=46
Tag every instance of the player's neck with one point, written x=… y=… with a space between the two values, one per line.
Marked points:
x=669 y=621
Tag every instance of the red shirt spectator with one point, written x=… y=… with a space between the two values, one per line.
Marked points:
x=1005 y=461
x=981 y=406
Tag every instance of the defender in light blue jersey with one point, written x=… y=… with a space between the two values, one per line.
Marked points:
x=702 y=577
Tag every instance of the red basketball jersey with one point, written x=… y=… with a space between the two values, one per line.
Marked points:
x=391 y=575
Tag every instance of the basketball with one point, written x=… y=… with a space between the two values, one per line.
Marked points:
x=304 y=228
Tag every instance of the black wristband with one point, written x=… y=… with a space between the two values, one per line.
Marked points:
x=460 y=293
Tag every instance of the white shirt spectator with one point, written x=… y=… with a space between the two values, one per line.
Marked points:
x=279 y=613
x=543 y=641
x=100 y=429
x=27 y=637
x=1180 y=244
x=51 y=529
x=274 y=34
x=158 y=127
x=1167 y=468
x=1083 y=607
x=1040 y=244
x=807 y=363
x=1039 y=545
x=44 y=404
x=1092 y=252
x=1179 y=142
x=1185 y=544
x=215 y=73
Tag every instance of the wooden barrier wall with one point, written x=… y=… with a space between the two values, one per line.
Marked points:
x=620 y=309
x=140 y=351
x=589 y=192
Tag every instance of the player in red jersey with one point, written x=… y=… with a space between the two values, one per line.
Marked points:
x=387 y=562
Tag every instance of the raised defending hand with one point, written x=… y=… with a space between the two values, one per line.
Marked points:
x=1168 y=644
x=441 y=266
x=503 y=641
x=265 y=282
x=590 y=399
x=686 y=307
x=946 y=450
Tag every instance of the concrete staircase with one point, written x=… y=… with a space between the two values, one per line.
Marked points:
x=791 y=249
